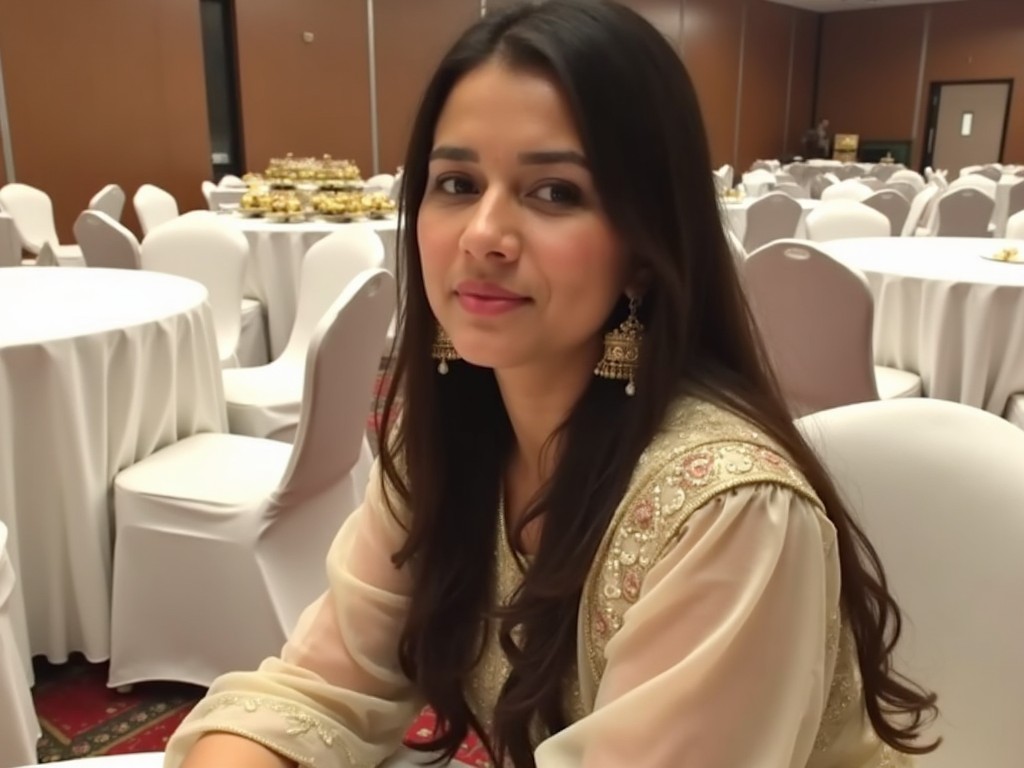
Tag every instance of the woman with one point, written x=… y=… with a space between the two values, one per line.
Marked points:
x=595 y=538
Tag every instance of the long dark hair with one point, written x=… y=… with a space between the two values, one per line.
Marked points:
x=641 y=130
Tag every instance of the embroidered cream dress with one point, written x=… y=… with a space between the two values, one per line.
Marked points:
x=710 y=633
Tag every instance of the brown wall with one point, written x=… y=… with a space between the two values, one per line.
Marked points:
x=411 y=37
x=305 y=98
x=871 y=62
x=105 y=91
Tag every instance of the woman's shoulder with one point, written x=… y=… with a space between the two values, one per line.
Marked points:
x=704 y=449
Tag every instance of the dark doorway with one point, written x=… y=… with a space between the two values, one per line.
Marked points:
x=222 y=93
x=966 y=123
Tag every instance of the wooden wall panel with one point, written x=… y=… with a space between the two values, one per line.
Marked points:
x=766 y=55
x=711 y=34
x=308 y=98
x=801 y=102
x=411 y=37
x=981 y=40
x=869 y=68
x=665 y=15
x=105 y=91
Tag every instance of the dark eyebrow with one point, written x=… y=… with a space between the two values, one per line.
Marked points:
x=458 y=154
x=550 y=158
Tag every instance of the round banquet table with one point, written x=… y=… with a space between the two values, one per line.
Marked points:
x=946 y=313
x=99 y=368
x=276 y=251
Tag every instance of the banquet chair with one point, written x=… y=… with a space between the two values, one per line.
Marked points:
x=772 y=217
x=989 y=172
x=841 y=219
x=891 y=204
x=918 y=206
x=48 y=257
x=109 y=200
x=937 y=488
x=1015 y=226
x=883 y=171
x=221 y=539
x=204 y=250
x=849 y=171
x=792 y=189
x=1014 y=412
x=870 y=182
x=847 y=190
x=739 y=253
x=106 y=242
x=207 y=187
x=10 y=243
x=964 y=212
x=32 y=211
x=225 y=198
x=908 y=191
x=154 y=206
x=975 y=181
x=266 y=400
x=1015 y=198
x=819 y=184
x=815 y=316
x=19 y=728
x=907 y=176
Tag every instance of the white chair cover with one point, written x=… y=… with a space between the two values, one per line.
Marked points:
x=841 y=219
x=772 y=217
x=19 y=728
x=207 y=187
x=913 y=178
x=1015 y=226
x=847 y=190
x=252 y=518
x=964 y=212
x=230 y=181
x=917 y=209
x=204 y=250
x=10 y=242
x=893 y=205
x=382 y=182
x=32 y=211
x=109 y=200
x=225 y=198
x=265 y=401
x=816 y=316
x=1015 y=411
x=938 y=489
x=154 y=207
x=106 y=242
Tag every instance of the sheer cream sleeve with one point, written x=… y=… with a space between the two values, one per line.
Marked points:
x=721 y=662
x=336 y=697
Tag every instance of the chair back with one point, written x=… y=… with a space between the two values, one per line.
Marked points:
x=772 y=217
x=792 y=189
x=891 y=204
x=917 y=209
x=47 y=257
x=847 y=190
x=230 y=181
x=10 y=243
x=109 y=200
x=342 y=363
x=209 y=252
x=907 y=176
x=106 y=242
x=154 y=206
x=382 y=182
x=989 y=172
x=815 y=316
x=909 y=191
x=842 y=219
x=329 y=265
x=207 y=187
x=964 y=212
x=229 y=196
x=1015 y=226
x=937 y=488
x=1015 y=198
x=32 y=211
x=975 y=181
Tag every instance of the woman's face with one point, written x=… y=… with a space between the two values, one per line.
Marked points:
x=520 y=263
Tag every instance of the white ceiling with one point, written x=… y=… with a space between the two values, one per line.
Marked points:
x=826 y=6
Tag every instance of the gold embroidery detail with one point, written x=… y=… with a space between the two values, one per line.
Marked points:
x=300 y=720
x=702 y=452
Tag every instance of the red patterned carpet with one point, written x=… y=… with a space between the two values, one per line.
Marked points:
x=81 y=717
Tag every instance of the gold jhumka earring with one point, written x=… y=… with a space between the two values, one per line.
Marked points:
x=443 y=350
x=622 y=350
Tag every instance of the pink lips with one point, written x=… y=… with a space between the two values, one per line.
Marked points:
x=480 y=298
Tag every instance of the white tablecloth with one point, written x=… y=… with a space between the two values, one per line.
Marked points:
x=275 y=256
x=946 y=313
x=98 y=369
x=736 y=215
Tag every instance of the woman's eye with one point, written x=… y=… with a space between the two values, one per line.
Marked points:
x=560 y=193
x=456 y=185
